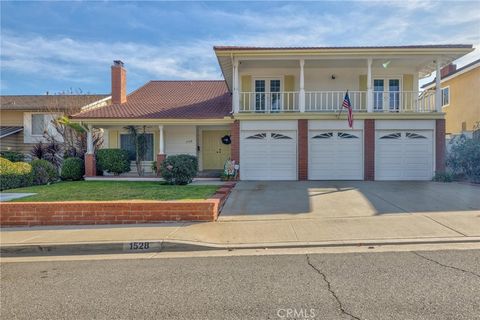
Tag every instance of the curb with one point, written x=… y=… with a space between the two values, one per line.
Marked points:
x=187 y=246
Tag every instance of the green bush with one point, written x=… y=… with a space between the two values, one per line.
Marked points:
x=180 y=169
x=115 y=161
x=464 y=157
x=443 y=177
x=13 y=156
x=15 y=174
x=72 y=169
x=43 y=172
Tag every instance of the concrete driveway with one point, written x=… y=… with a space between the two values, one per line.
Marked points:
x=252 y=200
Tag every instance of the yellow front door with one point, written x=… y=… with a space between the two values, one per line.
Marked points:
x=214 y=153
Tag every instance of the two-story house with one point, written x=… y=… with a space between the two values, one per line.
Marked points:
x=282 y=110
x=24 y=119
x=459 y=100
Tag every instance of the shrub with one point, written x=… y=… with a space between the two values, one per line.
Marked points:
x=464 y=157
x=115 y=161
x=43 y=172
x=72 y=169
x=15 y=174
x=180 y=169
x=13 y=156
x=443 y=177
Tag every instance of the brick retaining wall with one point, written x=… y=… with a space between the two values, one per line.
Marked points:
x=111 y=212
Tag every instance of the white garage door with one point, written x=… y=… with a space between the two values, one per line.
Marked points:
x=268 y=155
x=404 y=155
x=335 y=155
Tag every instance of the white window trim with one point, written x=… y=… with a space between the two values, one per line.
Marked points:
x=28 y=137
x=449 y=96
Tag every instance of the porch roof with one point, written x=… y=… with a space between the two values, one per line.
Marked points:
x=421 y=57
x=202 y=99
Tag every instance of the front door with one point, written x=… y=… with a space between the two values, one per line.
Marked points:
x=215 y=153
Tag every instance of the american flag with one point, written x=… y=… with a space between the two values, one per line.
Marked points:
x=346 y=104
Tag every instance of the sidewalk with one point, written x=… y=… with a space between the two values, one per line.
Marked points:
x=461 y=226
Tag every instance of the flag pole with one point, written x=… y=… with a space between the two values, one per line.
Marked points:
x=341 y=109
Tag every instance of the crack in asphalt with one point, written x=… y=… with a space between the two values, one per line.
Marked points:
x=445 y=265
x=329 y=286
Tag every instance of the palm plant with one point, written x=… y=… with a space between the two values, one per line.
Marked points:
x=140 y=143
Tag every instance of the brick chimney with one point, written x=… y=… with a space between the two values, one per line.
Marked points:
x=445 y=71
x=119 y=82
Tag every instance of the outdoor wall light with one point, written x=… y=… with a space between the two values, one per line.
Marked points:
x=333 y=76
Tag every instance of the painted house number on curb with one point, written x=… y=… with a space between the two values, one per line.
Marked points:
x=139 y=245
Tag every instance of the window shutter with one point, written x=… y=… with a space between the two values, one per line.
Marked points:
x=246 y=87
x=408 y=86
x=362 y=86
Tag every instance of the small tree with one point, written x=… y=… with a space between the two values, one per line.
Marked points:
x=140 y=143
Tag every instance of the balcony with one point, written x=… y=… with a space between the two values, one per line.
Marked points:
x=331 y=101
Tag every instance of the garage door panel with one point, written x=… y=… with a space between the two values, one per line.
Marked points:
x=335 y=155
x=405 y=155
x=268 y=155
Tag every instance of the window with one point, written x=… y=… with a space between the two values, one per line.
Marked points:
x=257 y=136
x=326 y=135
x=127 y=143
x=396 y=135
x=38 y=124
x=344 y=135
x=412 y=135
x=445 y=96
x=279 y=136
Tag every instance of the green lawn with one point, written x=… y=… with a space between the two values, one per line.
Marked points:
x=114 y=190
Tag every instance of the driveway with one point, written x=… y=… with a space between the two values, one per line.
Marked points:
x=251 y=200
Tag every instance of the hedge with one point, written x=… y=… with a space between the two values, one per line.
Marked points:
x=15 y=174
x=115 y=161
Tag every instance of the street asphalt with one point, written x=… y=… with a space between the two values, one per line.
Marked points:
x=386 y=285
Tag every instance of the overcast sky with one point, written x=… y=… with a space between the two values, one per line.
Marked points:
x=63 y=46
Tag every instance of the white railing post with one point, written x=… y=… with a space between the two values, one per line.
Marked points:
x=369 y=86
x=438 y=88
x=90 y=139
x=302 y=86
x=236 y=95
x=161 y=140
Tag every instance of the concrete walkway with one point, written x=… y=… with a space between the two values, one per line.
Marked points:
x=5 y=196
x=440 y=226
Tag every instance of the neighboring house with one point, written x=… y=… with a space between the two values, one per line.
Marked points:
x=282 y=108
x=25 y=118
x=459 y=101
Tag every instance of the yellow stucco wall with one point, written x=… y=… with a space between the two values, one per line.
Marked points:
x=11 y=118
x=464 y=103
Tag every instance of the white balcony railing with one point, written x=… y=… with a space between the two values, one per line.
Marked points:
x=269 y=102
x=404 y=101
x=332 y=101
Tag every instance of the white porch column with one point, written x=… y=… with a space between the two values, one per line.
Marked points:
x=89 y=140
x=161 y=140
x=236 y=94
x=438 y=88
x=301 y=98
x=369 y=86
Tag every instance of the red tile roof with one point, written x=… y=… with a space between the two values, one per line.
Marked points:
x=427 y=46
x=170 y=100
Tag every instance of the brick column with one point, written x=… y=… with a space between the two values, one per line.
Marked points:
x=235 y=145
x=302 y=149
x=369 y=150
x=90 y=165
x=160 y=158
x=440 y=145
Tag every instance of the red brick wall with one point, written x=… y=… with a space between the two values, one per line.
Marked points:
x=440 y=145
x=110 y=212
x=235 y=145
x=302 y=149
x=119 y=85
x=369 y=149
x=90 y=165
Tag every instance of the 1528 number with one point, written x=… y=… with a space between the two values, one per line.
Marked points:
x=139 y=245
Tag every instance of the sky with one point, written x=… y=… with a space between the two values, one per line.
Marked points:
x=69 y=46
